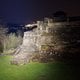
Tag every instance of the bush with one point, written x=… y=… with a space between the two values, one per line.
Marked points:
x=11 y=42
x=2 y=37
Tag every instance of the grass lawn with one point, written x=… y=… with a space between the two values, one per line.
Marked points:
x=38 y=71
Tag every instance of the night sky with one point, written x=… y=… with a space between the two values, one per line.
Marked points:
x=26 y=11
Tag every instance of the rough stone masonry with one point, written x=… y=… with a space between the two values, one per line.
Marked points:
x=48 y=36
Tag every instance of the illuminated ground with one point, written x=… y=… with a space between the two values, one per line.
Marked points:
x=38 y=71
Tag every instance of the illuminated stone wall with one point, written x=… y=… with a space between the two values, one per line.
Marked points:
x=49 y=33
x=54 y=39
x=42 y=35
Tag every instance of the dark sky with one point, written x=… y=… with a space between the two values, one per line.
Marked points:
x=25 y=11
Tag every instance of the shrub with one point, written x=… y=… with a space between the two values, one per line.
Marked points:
x=11 y=42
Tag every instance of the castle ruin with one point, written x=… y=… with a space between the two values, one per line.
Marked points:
x=49 y=37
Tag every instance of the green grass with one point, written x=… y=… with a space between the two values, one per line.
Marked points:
x=38 y=71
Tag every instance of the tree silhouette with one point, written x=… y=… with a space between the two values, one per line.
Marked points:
x=60 y=16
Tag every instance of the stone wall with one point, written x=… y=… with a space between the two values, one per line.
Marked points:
x=50 y=33
x=51 y=39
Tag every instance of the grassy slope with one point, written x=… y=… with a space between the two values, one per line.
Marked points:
x=37 y=71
